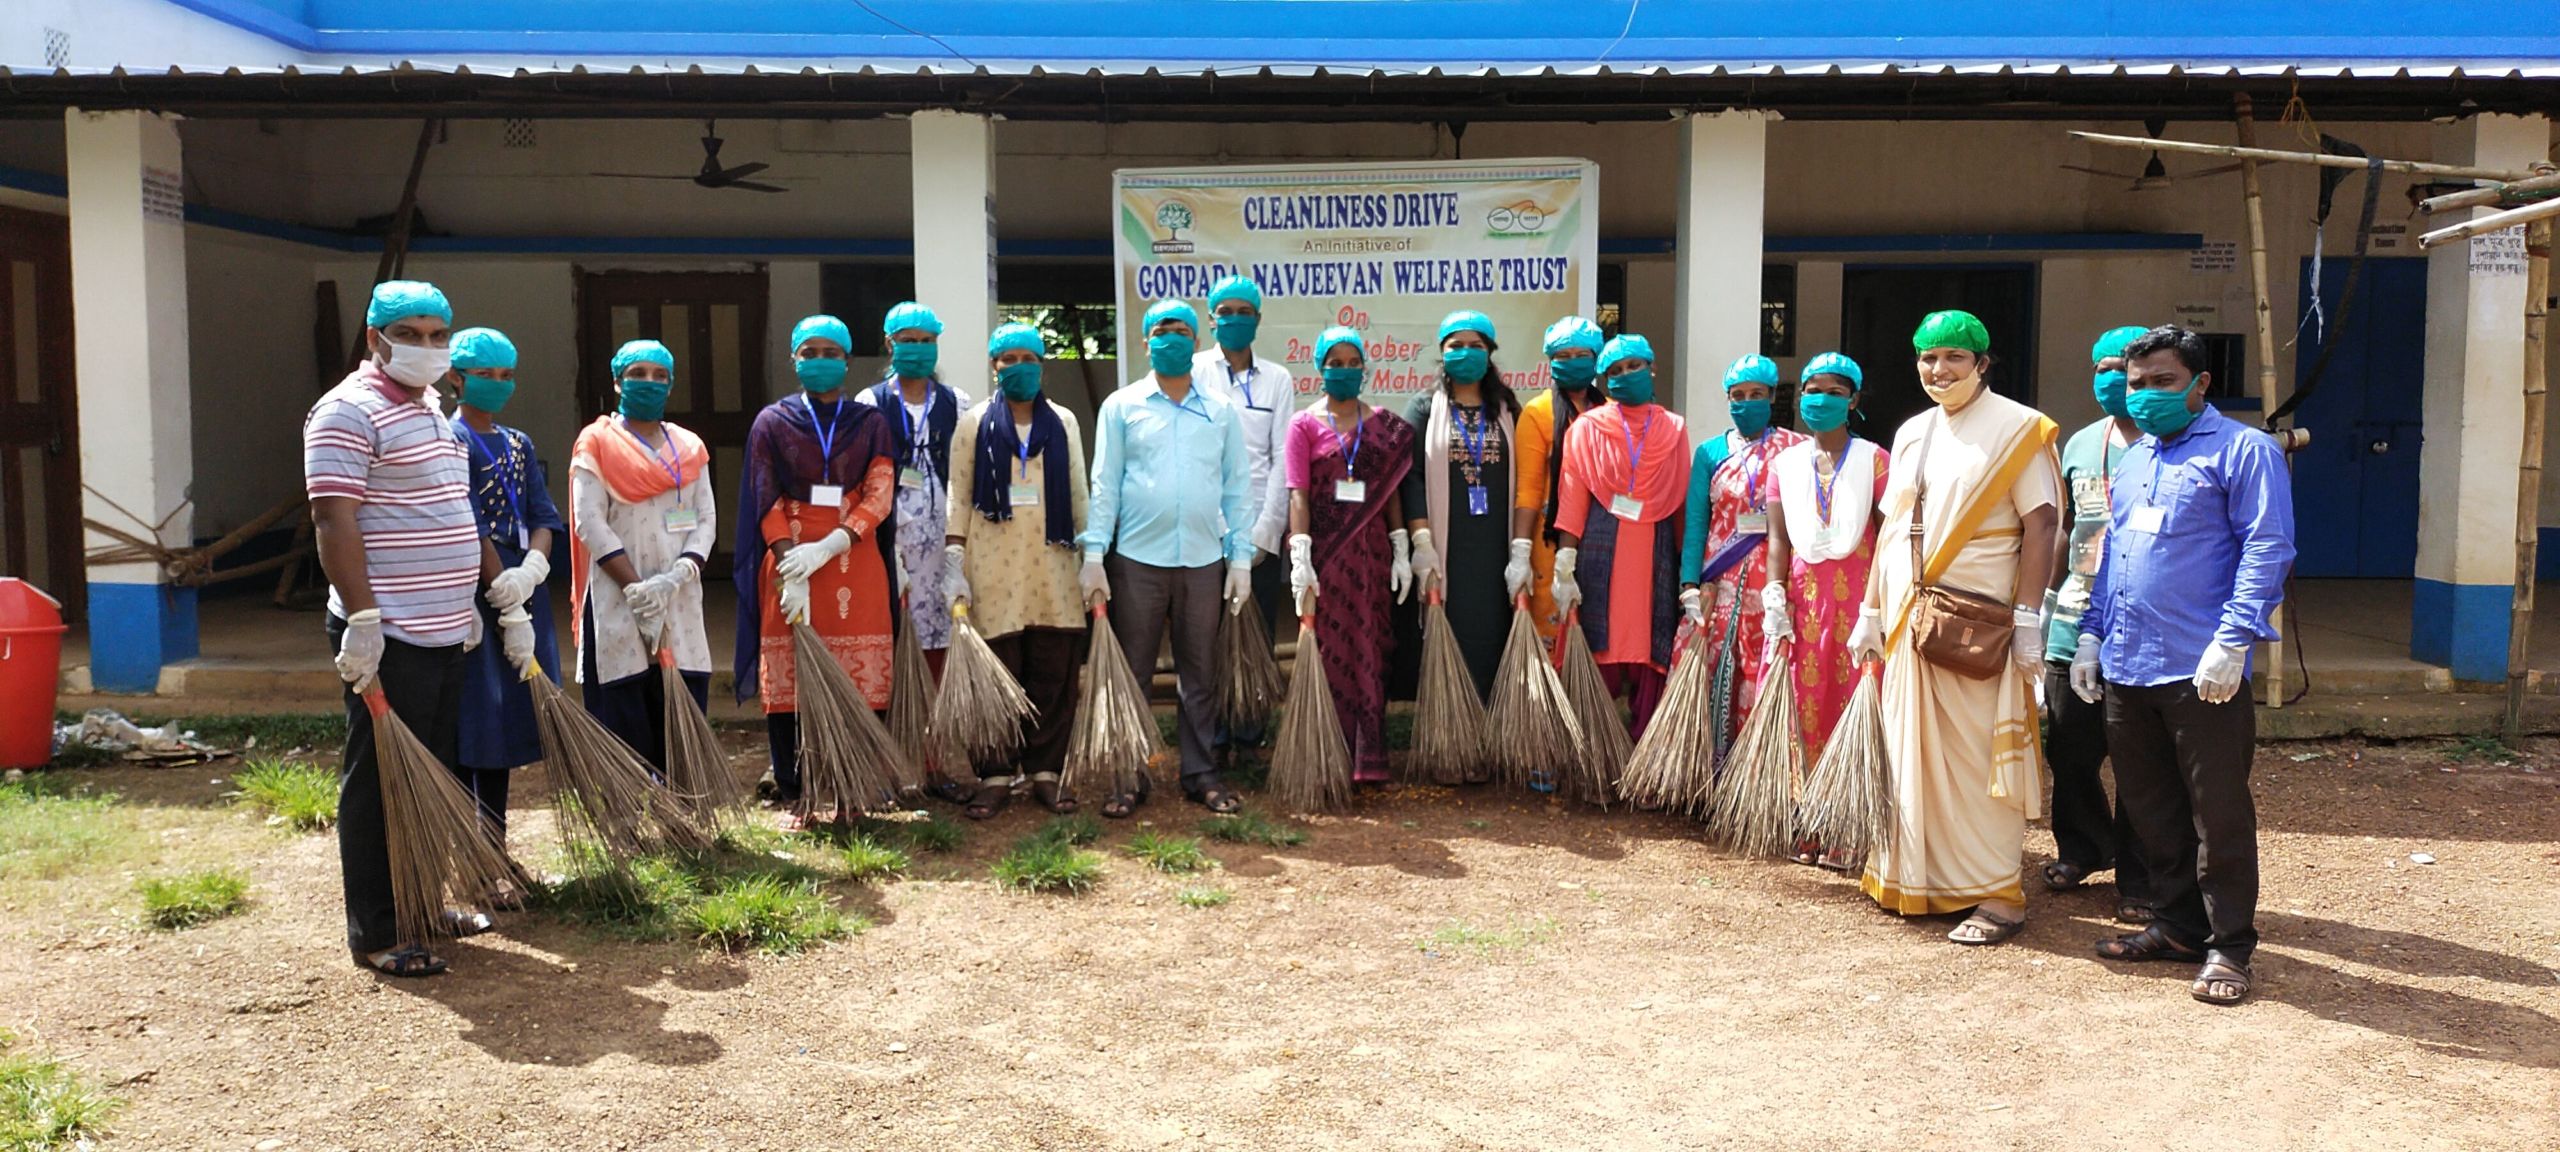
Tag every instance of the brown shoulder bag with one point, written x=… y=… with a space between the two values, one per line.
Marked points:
x=1962 y=631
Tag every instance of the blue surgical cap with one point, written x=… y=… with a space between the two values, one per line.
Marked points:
x=1627 y=347
x=1008 y=337
x=1236 y=288
x=1340 y=335
x=2115 y=342
x=911 y=314
x=1169 y=310
x=822 y=327
x=1751 y=369
x=1467 y=320
x=483 y=348
x=1573 y=332
x=639 y=350
x=396 y=300
x=1835 y=364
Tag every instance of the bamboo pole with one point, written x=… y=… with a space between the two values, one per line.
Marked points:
x=2492 y=195
x=2493 y=222
x=395 y=244
x=2537 y=316
x=2245 y=123
x=2408 y=167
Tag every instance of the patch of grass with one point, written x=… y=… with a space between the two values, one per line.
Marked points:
x=768 y=914
x=1479 y=825
x=2483 y=746
x=866 y=858
x=645 y=900
x=191 y=898
x=1042 y=862
x=935 y=834
x=1251 y=827
x=1400 y=730
x=303 y=797
x=47 y=827
x=1457 y=937
x=1073 y=831
x=1169 y=853
x=45 y=1105
x=280 y=732
x=1202 y=896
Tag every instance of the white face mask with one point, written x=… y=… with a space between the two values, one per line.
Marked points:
x=416 y=365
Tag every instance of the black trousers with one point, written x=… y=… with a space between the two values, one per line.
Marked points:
x=1046 y=661
x=1146 y=601
x=424 y=689
x=782 y=739
x=2182 y=772
x=2087 y=829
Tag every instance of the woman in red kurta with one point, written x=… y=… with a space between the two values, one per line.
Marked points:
x=1626 y=474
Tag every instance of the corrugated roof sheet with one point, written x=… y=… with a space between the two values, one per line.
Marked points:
x=2096 y=69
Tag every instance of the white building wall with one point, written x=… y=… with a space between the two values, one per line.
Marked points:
x=249 y=312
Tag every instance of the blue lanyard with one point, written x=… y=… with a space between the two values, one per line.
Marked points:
x=668 y=461
x=1750 y=476
x=1472 y=433
x=1184 y=405
x=1635 y=447
x=1350 y=453
x=498 y=461
x=1822 y=490
x=1022 y=447
x=826 y=436
x=919 y=446
x=1245 y=384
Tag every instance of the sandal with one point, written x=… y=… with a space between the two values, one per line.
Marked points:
x=2220 y=982
x=1982 y=929
x=992 y=795
x=2152 y=943
x=941 y=787
x=2134 y=912
x=1051 y=795
x=2063 y=875
x=462 y=923
x=1213 y=794
x=1122 y=805
x=407 y=961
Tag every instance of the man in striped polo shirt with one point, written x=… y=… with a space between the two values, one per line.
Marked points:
x=390 y=491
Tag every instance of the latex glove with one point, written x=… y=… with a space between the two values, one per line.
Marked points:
x=1692 y=605
x=898 y=565
x=2026 y=636
x=1239 y=587
x=2220 y=673
x=1427 y=568
x=1567 y=591
x=1096 y=586
x=1400 y=569
x=804 y=559
x=515 y=638
x=2085 y=680
x=360 y=649
x=653 y=598
x=955 y=581
x=795 y=601
x=1302 y=567
x=1866 y=641
x=471 y=639
x=516 y=585
x=1515 y=575
x=1775 y=621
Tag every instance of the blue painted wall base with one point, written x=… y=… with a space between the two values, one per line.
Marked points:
x=2462 y=627
x=135 y=629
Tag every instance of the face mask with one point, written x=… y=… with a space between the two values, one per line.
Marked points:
x=1636 y=387
x=1169 y=353
x=1822 y=411
x=2160 y=412
x=914 y=361
x=485 y=393
x=1955 y=395
x=820 y=374
x=1750 y=417
x=1019 y=381
x=1235 y=330
x=1575 y=374
x=1466 y=365
x=1343 y=383
x=2110 y=388
x=645 y=399
x=416 y=365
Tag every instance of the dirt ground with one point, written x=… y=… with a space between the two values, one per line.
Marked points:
x=1632 y=989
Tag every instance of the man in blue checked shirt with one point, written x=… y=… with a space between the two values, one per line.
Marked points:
x=1171 y=508
x=2199 y=537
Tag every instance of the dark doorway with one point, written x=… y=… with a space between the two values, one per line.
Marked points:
x=2360 y=471
x=39 y=430
x=713 y=323
x=1880 y=305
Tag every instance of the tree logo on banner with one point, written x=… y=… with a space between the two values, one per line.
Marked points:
x=1173 y=216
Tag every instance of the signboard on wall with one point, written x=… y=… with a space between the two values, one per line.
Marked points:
x=1388 y=249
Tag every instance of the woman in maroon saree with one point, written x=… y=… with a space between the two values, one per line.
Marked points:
x=1345 y=464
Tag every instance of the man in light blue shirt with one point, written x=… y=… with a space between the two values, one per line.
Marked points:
x=1171 y=509
x=2199 y=538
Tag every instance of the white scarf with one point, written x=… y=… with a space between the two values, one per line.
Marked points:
x=1853 y=492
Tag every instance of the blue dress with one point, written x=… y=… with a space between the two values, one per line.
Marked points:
x=512 y=497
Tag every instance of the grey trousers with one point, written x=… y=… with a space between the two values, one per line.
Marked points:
x=1144 y=599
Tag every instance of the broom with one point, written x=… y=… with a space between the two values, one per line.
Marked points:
x=1115 y=732
x=1536 y=729
x=1452 y=731
x=1673 y=767
x=606 y=794
x=1249 y=680
x=431 y=830
x=1848 y=804
x=911 y=692
x=697 y=767
x=1310 y=762
x=979 y=709
x=1605 y=744
x=1755 y=803
x=848 y=760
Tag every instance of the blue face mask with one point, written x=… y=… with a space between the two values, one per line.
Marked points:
x=1236 y=329
x=914 y=361
x=1822 y=411
x=2110 y=389
x=1750 y=417
x=2160 y=412
x=1019 y=381
x=1635 y=386
x=645 y=399
x=1169 y=353
x=821 y=374
x=1575 y=374
x=486 y=394
x=1343 y=382
x=1466 y=365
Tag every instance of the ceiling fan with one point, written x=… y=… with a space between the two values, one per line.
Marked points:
x=2154 y=175
x=712 y=174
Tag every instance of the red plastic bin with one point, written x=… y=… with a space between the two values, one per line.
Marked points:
x=31 y=631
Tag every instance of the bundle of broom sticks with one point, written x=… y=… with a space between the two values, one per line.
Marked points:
x=849 y=764
x=1452 y=730
x=1537 y=732
x=608 y=796
x=1115 y=733
x=1310 y=762
x=440 y=853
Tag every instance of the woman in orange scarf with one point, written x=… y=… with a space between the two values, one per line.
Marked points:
x=641 y=518
x=1626 y=474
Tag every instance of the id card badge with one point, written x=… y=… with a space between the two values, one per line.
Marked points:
x=1626 y=507
x=524 y=539
x=1351 y=491
x=911 y=477
x=2148 y=519
x=1752 y=522
x=826 y=495
x=1475 y=500
x=682 y=519
x=1023 y=494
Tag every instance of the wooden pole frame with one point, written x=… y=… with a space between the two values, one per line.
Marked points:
x=2537 y=315
x=2245 y=123
x=2405 y=167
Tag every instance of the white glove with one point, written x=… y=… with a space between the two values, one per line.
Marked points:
x=360 y=649
x=955 y=581
x=898 y=565
x=1239 y=587
x=515 y=585
x=1302 y=567
x=795 y=601
x=1096 y=586
x=1866 y=641
x=515 y=638
x=1692 y=605
x=2026 y=636
x=471 y=639
x=2219 y=673
x=1400 y=569
x=2085 y=681
x=1515 y=575
x=1775 y=622
x=651 y=599
x=804 y=559
x=1567 y=591
x=1426 y=561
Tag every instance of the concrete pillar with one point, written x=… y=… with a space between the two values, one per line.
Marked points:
x=129 y=301
x=955 y=235
x=2474 y=419
x=1724 y=159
